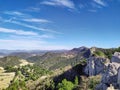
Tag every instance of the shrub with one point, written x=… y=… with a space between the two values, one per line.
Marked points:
x=99 y=53
x=65 y=85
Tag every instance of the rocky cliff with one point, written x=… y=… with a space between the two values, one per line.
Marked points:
x=111 y=75
x=95 y=65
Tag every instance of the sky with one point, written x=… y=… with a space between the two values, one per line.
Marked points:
x=59 y=24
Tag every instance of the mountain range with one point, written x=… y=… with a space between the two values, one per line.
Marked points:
x=85 y=63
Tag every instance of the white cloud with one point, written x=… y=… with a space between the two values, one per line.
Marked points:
x=36 y=20
x=32 y=27
x=100 y=2
x=33 y=9
x=25 y=17
x=28 y=45
x=95 y=5
x=65 y=3
x=46 y=36
x=20 y=44
x=18 y=32
x=37 y=37
x=14 y=13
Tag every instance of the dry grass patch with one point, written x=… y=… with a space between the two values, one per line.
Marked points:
x=24 y=62
x=5 y=79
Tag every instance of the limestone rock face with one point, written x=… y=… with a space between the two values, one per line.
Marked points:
x=116 y=57
x=112 y=74
x=95 y=66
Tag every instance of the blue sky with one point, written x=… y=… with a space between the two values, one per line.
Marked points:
x=59 y=24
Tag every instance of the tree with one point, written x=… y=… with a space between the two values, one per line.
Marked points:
x=65 y=85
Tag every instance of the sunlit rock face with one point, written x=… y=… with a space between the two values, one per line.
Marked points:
x=95 y=66
x=116 y=57
x=112 y=74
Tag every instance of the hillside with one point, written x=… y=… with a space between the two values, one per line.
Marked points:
x=52 y=60
x=13 y=61
x=80 y=68
x=9 y=61
x=59 y=60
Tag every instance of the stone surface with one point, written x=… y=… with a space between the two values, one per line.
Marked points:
x=95 y=66
x=116 y=57
x=110 y=88
x=112 y=74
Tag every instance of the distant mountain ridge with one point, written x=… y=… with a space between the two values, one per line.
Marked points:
x=51 y=60
x=30 y=51
x=26 y=53
x=59 y=58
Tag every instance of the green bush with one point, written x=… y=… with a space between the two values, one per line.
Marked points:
x=99 y=53
x=65 y=85
x=10 y=69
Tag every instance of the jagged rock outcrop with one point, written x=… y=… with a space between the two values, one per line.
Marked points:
x=116 y=57
x=111 y=75
x=83 y=52
x=95 y=66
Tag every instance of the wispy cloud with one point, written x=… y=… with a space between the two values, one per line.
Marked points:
x=18 y=32
x=32 y=27
x=100 y=2
x=37 y=20
x=46 y=36
x=26 y=17
x=95 y=5
x=14 y=13
x=33 y=9
x=35 y=37
x=61 y=3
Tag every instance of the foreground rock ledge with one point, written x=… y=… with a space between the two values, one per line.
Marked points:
x=111 y=77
